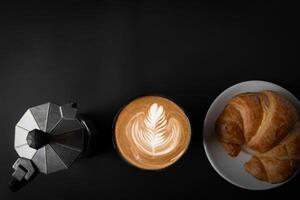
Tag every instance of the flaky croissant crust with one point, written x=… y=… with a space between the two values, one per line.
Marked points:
x=267 y=123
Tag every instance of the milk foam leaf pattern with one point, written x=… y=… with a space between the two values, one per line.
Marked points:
x=153 y=133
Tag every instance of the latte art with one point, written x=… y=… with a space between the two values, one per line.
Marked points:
x=152 y=132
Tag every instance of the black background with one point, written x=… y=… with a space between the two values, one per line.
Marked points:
x=102 y=54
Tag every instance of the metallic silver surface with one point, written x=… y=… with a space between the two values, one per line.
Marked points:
x=54 y=116
x=54 y=163
x=68 y=112
x=23 y=174
x=20 y=136
x=39 y=159
x=25 y=164
x=19 y=174
x=66 y=133
x=40 y=114
x=67 y=154
x=67 y=125
x=25 y=151
x=73 y=139
x=28 y=122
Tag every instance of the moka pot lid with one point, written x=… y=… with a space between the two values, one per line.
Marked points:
x=51 y=136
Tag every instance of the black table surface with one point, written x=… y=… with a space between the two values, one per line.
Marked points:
x=101 y=54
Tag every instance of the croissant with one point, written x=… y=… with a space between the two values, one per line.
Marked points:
x=266 y=123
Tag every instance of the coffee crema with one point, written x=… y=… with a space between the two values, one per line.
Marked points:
x=152 y=132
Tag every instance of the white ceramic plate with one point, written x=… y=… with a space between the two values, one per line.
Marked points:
x=229 y=168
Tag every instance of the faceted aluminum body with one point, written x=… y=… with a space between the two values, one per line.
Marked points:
x=66 y=141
